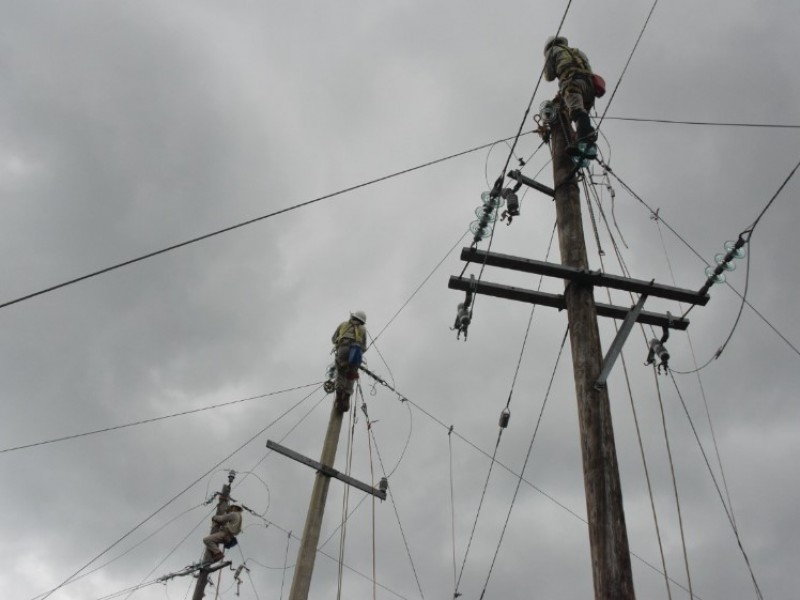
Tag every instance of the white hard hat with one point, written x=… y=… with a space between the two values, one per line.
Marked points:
x=359 y=315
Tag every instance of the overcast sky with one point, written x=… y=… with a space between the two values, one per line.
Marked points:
x=127 y=127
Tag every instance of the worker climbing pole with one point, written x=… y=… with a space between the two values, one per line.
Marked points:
x=578 y=87
x=212 y=553
x=349 y=344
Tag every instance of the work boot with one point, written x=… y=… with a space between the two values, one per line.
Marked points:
x=586 y=133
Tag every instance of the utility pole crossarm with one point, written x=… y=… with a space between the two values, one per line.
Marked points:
x=325 y=469
x=558 y=301
x=583 y=277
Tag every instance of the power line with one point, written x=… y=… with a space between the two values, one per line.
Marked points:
x=154 y=419
x=336 y=560
x=206 y=236
x=656 y=215
x=371 y=433
x=451 y=430
x=727 y=509
x=709 y=123
x=533 y=96
x=420 y=286
x=774 y=196
x=525 y=463
x=625 y=68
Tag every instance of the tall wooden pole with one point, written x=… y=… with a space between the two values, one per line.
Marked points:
x=301 y=582
x=608 y=537
x=222 y=508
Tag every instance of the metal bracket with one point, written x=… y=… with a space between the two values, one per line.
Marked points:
x=619 y=342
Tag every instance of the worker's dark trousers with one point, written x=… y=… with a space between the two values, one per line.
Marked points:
x=343 y=384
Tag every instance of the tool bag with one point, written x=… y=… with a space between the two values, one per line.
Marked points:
x=354 y=358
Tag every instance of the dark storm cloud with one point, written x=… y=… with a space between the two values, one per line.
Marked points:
x=127 y=128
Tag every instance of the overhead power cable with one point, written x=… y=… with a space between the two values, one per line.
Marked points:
x=771 y=200
x=371 y=433
x=176 y=496
x=336 y=560
x=524 y=464
x=155 y=419
x=420 y=286
x=709 y=123
x=236 y=485
x=206 y=236
x=656 y=214
x=725 y=507
x=533 y=96
x=474 y=446
x=628 y=62
x=674 y=481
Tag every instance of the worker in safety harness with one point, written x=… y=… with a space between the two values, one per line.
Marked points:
x=576 y=84
x=228 y=527
x=349 y=344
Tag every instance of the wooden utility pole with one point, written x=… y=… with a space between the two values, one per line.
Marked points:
x=222 y=508
x=304 y=567
x=608 y=537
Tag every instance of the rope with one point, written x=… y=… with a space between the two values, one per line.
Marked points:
x=336 y=560
x=219 y=578
x=397 y=515
x=285 y=562
x=249 y=577
x=630 y=395
x=600 y=250
x=646 y=475
x=372 y=483
x=525 y=464
x=719 y=492
x=674 y=481
x=452 y=506
x=346 y=499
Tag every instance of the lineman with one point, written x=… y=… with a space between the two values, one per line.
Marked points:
x=349 y=343
x=229 y=526
x=575 y=83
